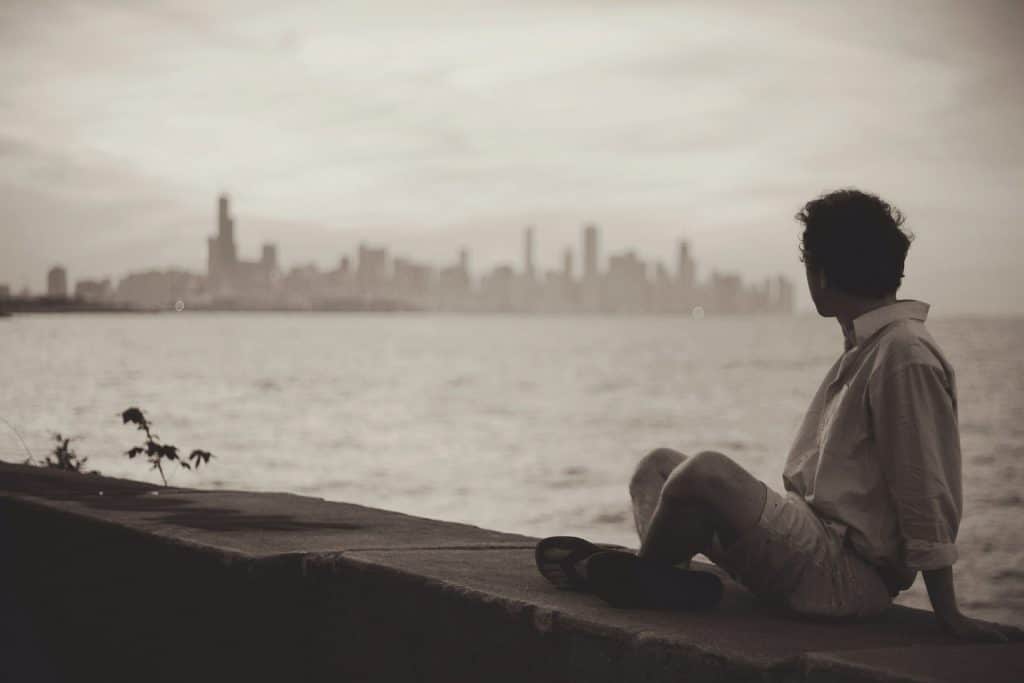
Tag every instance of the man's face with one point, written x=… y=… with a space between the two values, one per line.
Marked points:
x=819 y=291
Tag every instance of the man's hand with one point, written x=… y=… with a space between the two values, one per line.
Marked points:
x=940 y=590
x=966 y=628
x=973 y=630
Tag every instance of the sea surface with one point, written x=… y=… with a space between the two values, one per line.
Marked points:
x=521 y=424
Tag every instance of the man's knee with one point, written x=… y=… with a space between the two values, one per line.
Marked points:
x=655 y=466
x=705 y=477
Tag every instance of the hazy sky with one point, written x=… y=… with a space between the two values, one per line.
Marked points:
x=427 y=126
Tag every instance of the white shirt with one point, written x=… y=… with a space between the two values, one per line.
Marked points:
x=878 y=452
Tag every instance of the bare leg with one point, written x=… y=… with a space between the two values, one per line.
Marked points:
x=649 y=477
x=702 y=495
x=691 y=527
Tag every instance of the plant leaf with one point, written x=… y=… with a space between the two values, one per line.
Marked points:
x=200 y=456
x=135 y=416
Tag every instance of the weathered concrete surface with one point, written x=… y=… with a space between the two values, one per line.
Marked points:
x=739 y=635
x=919 y=663
x=204 y=585
x=253 y=525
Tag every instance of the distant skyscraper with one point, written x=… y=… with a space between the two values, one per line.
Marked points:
x=591 y=287
x=411 y=282
x=226 y=224
x=686 y=270
x=726 y=293
x=269 y=259
x=57 y=282
x=93 y=290
x=567 y=264
x=528 y=253
x=628 y=290
x=590 y=270
x=453 y=286
x=230 y=277
x=371 y=269
x=784 y=296
x=223 y=254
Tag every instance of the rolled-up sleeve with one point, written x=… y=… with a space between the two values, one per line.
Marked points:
x=915 y=423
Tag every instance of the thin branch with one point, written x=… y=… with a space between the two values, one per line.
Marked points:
x=23 y=444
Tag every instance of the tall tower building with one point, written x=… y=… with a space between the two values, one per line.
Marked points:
x=226 y=225
x=567 y=264
x=372 y=270
x=591 y=287
x=223 y=254
x=686 y=270
x=57 y=282
x=785 y=292
x=528 y=253
x=590 y=252
x=269 y=259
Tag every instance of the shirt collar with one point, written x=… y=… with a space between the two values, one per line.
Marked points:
x=867 y=324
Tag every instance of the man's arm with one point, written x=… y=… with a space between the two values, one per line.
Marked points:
x=940 y=591
x=916 y=427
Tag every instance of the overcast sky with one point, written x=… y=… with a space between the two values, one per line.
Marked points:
x=427 y=126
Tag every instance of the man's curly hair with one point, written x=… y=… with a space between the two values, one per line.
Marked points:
x=855 y=238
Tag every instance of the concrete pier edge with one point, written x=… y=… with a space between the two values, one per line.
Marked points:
x=173 y=584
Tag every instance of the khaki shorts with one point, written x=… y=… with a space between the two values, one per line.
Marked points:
x=793 y=558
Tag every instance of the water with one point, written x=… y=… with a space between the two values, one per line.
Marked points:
x=522 y=424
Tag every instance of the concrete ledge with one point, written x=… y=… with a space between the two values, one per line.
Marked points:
x=175 y=584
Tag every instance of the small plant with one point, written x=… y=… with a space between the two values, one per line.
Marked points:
x=64 y=457
x=157 y=452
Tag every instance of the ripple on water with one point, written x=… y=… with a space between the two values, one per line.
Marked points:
x=610 y=517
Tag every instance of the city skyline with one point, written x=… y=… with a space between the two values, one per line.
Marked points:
x=376 y=278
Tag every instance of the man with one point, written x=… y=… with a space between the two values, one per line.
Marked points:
x=872 y=482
